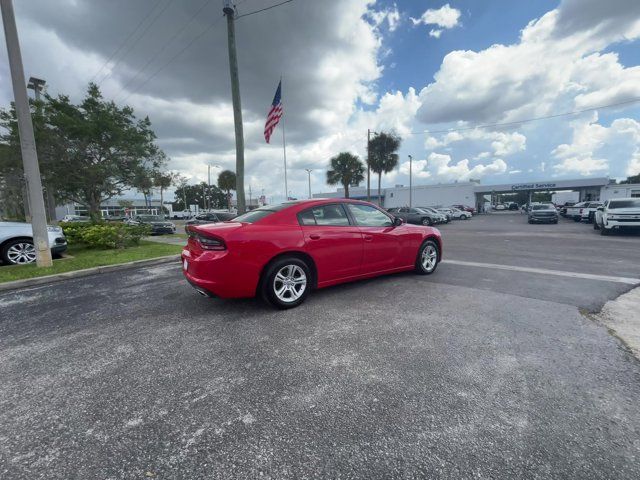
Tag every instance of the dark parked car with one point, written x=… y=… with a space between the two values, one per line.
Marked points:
x=543 y=213
x=211 y=217
x=414 y=215
x=157 y=223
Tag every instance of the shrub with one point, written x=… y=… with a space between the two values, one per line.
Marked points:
x=105 y=235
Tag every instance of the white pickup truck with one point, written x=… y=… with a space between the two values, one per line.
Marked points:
x=577 y=210
x=616 y=214
x=587 y=214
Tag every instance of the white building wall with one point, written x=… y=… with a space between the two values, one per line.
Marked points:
x=619 y=191
x=431 y=195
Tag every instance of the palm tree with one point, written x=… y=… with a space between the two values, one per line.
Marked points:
x=163 y=180
x=382 y=155
x=346 y=169
x=227 y=182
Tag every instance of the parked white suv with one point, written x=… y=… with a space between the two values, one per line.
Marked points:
x=587 y=213
x=617 y=213
x=16 y=242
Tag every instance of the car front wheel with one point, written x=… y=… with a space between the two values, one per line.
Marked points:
x=287 y=282
x=18 y=252
x=426 y=222
x=427 y=260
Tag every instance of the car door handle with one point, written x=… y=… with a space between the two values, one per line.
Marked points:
x=368 y=238
x=314 y=236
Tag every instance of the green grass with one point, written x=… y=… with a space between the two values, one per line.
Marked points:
x=86 y=258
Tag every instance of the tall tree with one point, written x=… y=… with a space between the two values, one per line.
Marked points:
x=227 y=182
x=632 y=179
x=195 y=195
x=162 y=181
x=98 y=149
x=345 y=169
x=383 y=156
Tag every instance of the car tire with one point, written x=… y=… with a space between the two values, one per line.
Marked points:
x=18 y=252
x=604 y=232
x=427 y=259
x=595 y=225
x=281 y=282
x=577 y=219
x=426 y=222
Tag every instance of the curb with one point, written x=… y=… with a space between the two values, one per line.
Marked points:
x=30 y=282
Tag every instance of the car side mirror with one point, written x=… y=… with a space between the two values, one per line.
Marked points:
x=600 y=208
x=397 y=221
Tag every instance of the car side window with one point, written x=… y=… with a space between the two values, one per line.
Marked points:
x=367 y=216
x=325 y=215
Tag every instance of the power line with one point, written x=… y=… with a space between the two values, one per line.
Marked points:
x=263 y=9
x=165 y=45
x=135 y=42
x=126 y=40
x=180 y=52
x=527 y=120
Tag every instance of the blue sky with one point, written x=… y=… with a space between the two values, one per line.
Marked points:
x=412 y=58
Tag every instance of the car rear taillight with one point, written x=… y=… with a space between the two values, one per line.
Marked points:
x=210 y=243
x=581 y=210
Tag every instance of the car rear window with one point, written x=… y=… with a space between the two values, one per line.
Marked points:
x=624 y=203
x=542 y=207
x=261 y=212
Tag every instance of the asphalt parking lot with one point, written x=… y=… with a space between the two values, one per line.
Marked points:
x=486 y=369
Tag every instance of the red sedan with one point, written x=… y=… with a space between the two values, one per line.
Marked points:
x=282 y=252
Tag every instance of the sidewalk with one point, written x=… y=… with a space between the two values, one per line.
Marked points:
x=622 y=316
x=170 y=240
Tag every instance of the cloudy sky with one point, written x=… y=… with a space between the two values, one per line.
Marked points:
x=413 y=66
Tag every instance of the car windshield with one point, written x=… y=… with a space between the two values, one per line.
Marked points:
x=425 y=210
x=542 y=207
x=632 y=203
x=150 y=218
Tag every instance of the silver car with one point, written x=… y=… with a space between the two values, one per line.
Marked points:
x=16 y=242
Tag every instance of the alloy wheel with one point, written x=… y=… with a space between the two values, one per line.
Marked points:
x=429 y=258
x=289 y=283
x=21 y=253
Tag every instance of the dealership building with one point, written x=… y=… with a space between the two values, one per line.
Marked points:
x=475 y=194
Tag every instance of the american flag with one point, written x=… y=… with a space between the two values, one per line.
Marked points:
x=274 y=114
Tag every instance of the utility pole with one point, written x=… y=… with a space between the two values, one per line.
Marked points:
x=37 y=85
x=249 y=195
x=410 y=181
x=368 y=165
x=309 y=170
x=27 y=139
x=209 y=184
x=237 y=107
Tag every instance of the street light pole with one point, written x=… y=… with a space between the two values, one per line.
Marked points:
x=309 y=170
x=237 y=107
x=410 y=181
x=27 y=138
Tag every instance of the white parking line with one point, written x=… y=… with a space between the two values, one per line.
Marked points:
x=544 y=271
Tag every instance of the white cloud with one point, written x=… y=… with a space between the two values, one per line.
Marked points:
x=502 y=143
x=594 y=146
x=552 y=68
x=445 y=170
x=390 y=15
x=435 y=33
x=444 y=17
x=633 y=168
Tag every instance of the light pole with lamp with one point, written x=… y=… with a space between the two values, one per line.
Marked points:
x=309 y=170
x=410 y=181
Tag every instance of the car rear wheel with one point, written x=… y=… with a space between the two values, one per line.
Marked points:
x=595 y=225
x=18 y=252
x=287 y=282
x=426 y=222
x=427 y=260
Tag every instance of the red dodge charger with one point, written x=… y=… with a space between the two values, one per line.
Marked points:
x=282 y=252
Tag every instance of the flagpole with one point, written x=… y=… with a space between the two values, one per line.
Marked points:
x=284 y=146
